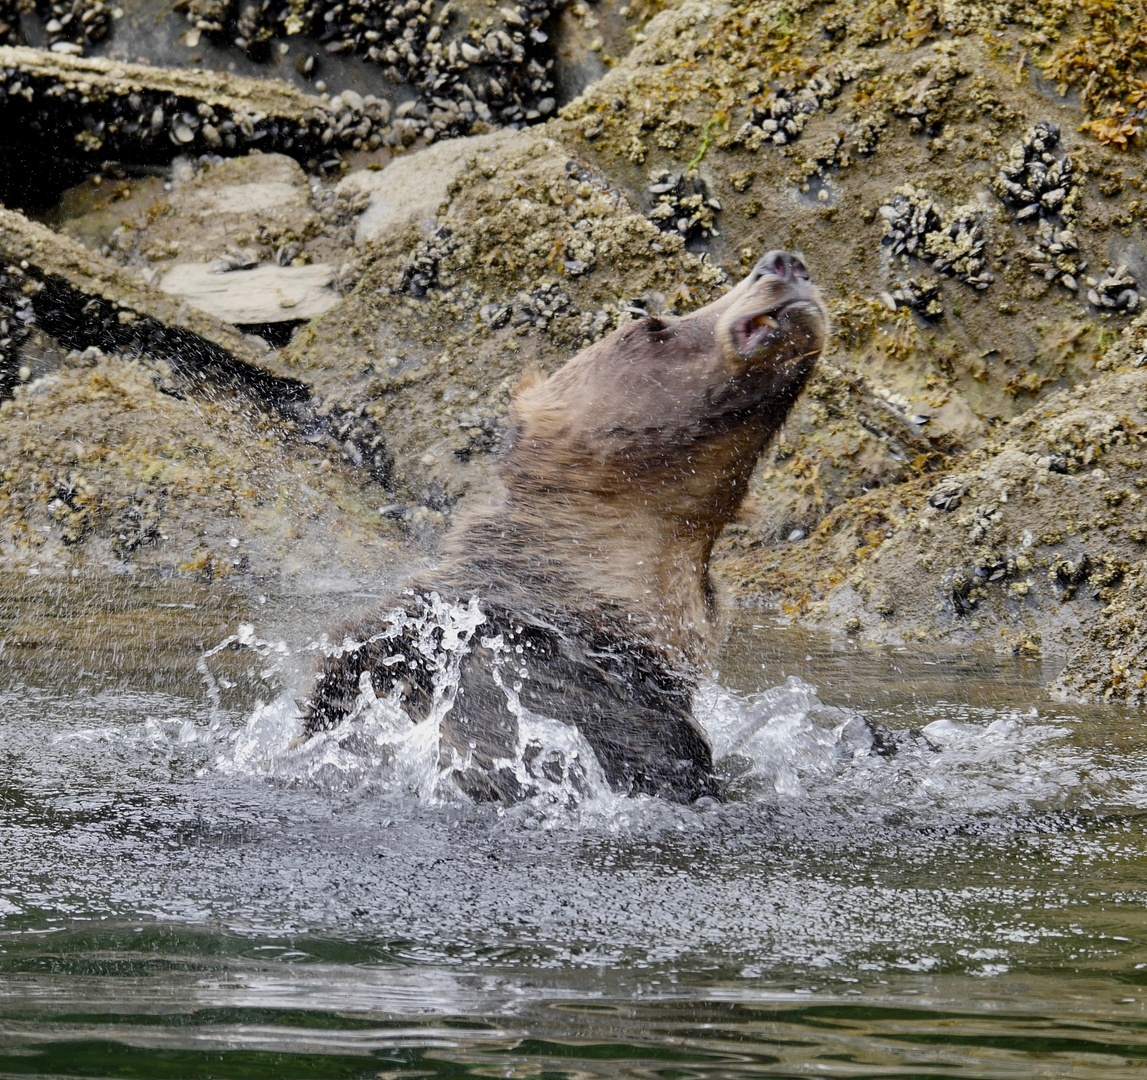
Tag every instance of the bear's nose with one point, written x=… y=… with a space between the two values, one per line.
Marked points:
x=783 y=265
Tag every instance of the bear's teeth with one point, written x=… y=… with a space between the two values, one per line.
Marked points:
x=766 y=320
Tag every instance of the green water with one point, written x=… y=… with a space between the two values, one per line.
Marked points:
x=972 y=907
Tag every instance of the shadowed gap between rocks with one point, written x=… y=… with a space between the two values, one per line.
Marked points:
x=65 y=117
x=79 y=321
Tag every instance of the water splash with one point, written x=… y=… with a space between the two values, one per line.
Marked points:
x=782 y=746
x=377 y=744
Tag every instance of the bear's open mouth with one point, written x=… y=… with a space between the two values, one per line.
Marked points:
x=764 y=320
x=754 y=333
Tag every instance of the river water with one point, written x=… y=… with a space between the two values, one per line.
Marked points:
x=186 y=893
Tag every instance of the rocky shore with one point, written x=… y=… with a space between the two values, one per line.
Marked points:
x=253 y=328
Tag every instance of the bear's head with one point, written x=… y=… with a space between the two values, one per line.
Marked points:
x=671 y=413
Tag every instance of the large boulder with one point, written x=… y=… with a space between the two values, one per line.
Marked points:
x=1034 y=542
x=138 y=432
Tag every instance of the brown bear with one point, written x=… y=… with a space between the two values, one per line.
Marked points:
x=591 y=571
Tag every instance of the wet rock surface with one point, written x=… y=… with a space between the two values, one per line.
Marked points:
x=248 y=240
x=71 y=299
x=411 y=188
x=108 y=468
x=66 y=115
x=254 y=295
x=983 y=258
x=79 y=298
x=1034 y=543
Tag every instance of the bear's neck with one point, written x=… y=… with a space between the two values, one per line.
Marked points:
x=595 y=560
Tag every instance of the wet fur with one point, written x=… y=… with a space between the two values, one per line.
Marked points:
x=619 y=473
x=631 y=708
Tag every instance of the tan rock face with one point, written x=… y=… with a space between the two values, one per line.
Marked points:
x=1108 y=661
x=410 y=188
x=250 y=199
x=937 y=337
x=1035 y=542
x=243 y=208
x=103 y=470
x=804 y=131
x=265 y=294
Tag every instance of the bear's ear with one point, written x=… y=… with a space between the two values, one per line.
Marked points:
x=532 y=376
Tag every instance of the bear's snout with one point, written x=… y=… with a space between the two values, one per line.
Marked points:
x=780 y=264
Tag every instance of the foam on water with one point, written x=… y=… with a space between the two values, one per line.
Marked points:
x=785 y=745
x=780 y=746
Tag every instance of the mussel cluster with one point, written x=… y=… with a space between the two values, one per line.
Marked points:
x=952 y=242
x=782 y=115
x=136 y=123
x=535 y=308
x=420 y=274
x=949 y=493
x=1034 y=179
x=16 y=316
x=70 y=25
x=359 y=121
x=480 y=430
x=1055 y=255
x=9 y=21
x=539 y=306
x=919 y=295
x=1069 y=573
x=496 y=72
x=1117 y=290
x=681 y=203
x=339 y=211
x=966 y=587
x=593 y=325
x=344 y=430
x=909 y=218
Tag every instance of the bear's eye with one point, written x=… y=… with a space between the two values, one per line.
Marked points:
x=654 y=324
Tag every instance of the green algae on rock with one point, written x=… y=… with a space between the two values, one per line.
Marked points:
x=1104 y=56
x=1035 y=542
x=807 y=120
